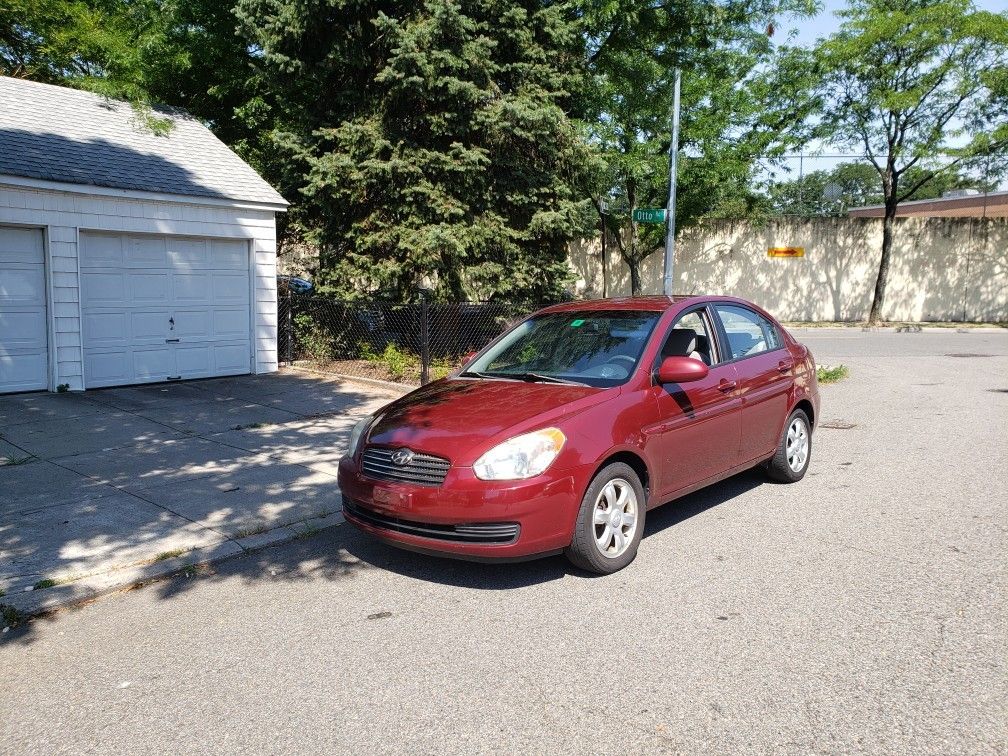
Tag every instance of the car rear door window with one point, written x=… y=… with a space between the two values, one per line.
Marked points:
x=748 y=332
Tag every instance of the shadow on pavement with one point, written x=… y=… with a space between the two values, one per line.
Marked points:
x=342 y=553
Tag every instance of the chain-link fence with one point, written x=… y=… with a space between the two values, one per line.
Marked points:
x=410 y=343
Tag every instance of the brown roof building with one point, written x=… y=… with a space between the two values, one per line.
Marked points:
x=956 y=204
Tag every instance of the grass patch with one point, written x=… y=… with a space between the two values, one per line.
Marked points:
x=827 y=374
x=251 y=530
x=309 y=531
x=44 y=583
x=2 y=593
x=171 y=554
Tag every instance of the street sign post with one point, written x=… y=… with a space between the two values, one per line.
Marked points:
x=649 y=215
x=673 y=163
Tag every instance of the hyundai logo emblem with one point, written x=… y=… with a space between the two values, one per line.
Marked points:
x=402 y=457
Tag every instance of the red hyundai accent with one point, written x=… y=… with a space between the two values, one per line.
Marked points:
x=561 y=434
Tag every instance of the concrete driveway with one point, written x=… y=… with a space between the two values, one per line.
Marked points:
x=112 y=486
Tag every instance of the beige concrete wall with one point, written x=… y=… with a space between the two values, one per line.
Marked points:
x=941 y=269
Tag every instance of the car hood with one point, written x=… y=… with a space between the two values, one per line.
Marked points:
x=459 y=419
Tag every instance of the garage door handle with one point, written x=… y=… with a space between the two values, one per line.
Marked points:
x=726 y=385
x=172 y=341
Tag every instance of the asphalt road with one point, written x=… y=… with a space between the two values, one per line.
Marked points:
x=863 y=609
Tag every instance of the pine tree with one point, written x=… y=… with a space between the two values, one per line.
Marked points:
x=457 y=160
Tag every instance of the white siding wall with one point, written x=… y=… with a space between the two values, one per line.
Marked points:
x=64 y=214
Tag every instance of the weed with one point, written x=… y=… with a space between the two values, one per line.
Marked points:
x=398 y=361
x=827 y=374
x=441 y=368
x=63 y=388
x=15 y=460
x=249 y=426
x=2 y=593
x=45 y=583
x=170 y=554
x=251 y=530
x=11 y=616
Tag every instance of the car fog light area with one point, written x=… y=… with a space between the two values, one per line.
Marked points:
x=521 y=457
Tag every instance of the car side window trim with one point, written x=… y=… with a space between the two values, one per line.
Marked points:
x=723 y=333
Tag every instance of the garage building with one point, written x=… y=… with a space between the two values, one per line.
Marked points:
x=127 y=256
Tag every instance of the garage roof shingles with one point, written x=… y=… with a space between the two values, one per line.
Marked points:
x=70 y=136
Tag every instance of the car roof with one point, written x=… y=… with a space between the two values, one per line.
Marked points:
x=653 y=303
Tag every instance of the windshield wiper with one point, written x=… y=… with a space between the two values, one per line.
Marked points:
x=546 y=379
x=488 y=376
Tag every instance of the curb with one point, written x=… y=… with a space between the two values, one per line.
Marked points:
x=39 y=602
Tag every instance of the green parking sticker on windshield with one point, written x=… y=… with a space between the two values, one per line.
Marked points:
x=576 y=323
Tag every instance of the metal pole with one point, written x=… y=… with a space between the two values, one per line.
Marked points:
x=605 y=261
x=424 y=340
x=670 y=210
x=290 y=326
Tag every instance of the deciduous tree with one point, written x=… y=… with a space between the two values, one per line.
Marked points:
x=921 y=86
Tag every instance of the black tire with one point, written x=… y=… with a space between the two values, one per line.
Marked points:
x=778 y=468
x=584 y=551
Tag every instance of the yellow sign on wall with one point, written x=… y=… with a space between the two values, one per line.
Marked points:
x=786 y=252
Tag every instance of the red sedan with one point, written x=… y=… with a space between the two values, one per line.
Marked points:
x=561 y=434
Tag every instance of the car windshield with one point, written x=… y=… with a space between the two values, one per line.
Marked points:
x=597 y=348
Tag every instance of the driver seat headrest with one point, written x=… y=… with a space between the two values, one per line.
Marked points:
x=680 y=343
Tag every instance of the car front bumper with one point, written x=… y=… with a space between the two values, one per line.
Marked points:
x=464 y=517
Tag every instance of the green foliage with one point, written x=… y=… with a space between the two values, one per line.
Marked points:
x=833 y=193
x=433 y=139
x=314 y=341
x=398 y=362
x=736 y=106
x=106 y=47
x=917 y=85
x=831 y=374
x=11 y=616
x=44 y=583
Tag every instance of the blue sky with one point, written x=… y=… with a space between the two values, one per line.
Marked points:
x=807 y=31
x=826 y=22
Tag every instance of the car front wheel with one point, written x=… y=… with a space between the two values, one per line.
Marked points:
x=791 y=461
x=610 y=522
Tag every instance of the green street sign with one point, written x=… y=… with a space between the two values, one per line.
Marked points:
x=649 y=215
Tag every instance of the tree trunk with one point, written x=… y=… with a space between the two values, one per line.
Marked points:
x=635 y=285
x=878 y=301
x=633 y=259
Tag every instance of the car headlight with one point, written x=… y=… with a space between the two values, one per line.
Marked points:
x=521 y=457
x=358 y=433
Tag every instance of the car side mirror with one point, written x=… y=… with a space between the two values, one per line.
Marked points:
x=681 y=370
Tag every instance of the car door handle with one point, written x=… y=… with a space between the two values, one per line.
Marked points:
x=726 y=385
x=783 y=366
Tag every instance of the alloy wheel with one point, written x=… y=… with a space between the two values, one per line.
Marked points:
x=615 y=517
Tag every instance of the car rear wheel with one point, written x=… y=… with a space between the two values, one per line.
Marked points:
x=610 y=522
x=792 y=458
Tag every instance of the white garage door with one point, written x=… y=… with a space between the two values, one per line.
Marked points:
x=160 y=308
x=23 y=342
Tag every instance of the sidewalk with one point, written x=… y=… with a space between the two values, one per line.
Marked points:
x=112 y=487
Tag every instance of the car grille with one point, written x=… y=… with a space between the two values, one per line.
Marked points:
x=480 y=532
x=422 y=470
